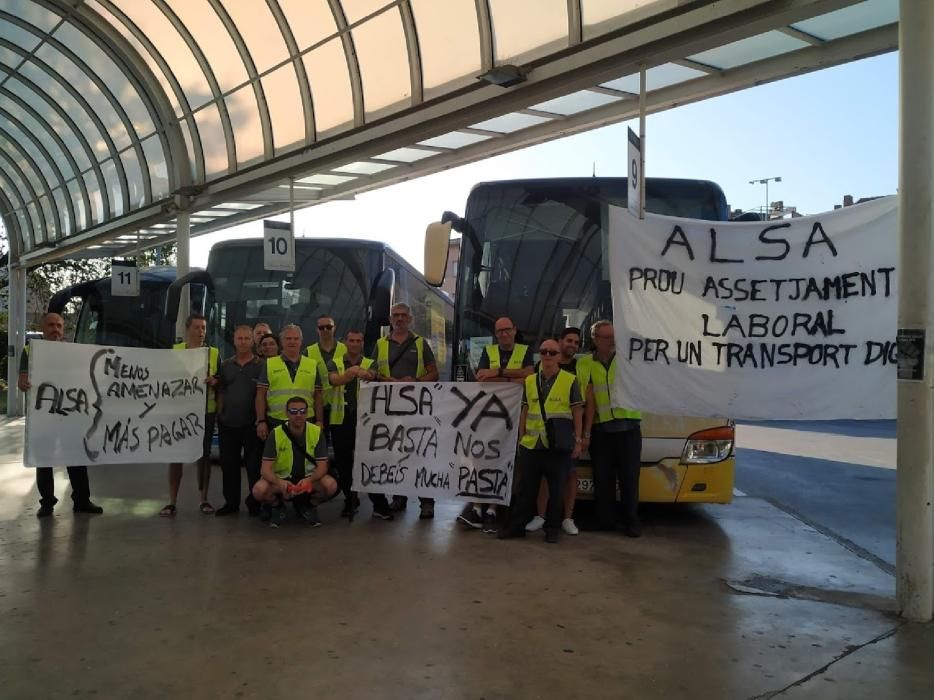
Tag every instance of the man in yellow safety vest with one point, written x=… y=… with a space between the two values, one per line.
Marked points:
x=326 y=349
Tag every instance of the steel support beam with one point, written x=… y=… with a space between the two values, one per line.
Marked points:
x=914 y=551
x=182 y=268
x=16 y=334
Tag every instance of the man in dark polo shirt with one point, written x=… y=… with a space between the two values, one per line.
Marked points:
x=236 y=384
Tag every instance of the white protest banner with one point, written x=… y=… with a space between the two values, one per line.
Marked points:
x=91 y=404
x=782 y=319
x=447 y=440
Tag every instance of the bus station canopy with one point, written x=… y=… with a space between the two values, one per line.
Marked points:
x=117 y=114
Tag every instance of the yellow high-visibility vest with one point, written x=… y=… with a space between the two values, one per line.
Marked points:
x=602 y=382
x=515 y=360
x=282 y=387
x=339 y=405
x=382 y=357
x=284 y=454
x=557 y=405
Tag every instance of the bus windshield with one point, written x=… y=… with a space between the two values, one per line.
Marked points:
x=328 y=280
x=535 y=251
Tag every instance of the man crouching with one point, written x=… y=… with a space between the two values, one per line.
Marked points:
x=295 y=467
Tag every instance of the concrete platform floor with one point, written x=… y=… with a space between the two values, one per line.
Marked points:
x=741 y=601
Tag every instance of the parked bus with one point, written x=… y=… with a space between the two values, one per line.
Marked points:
x=137 y=321
x=536 y=251
x=353 y=281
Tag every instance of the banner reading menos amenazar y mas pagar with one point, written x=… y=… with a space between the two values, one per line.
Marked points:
x=91 y=404
x=781 y=319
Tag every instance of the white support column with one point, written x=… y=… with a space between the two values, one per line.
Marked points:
x=16 y=334
x=915 y=474
x=642 y=91
x=182 y=267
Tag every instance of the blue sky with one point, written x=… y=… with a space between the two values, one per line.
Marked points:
x=827 y=134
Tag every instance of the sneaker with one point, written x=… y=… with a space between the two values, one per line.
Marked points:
x=489 y=523
x=308 y=513
x=276 y=516
x=45 y=511
x=88 y=507
x=535 y=524
x=427 y=511
x=471 y=518
x=398 y=504
x=551 y=536
x=382 y=512
x=569 y=527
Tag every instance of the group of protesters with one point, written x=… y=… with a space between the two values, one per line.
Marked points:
x=277 y=405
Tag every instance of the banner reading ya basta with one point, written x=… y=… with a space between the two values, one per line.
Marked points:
x=784 y=319
x=91 y=404
x=447 y=440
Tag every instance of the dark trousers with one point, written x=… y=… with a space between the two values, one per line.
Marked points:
x=533 y=466
x=80 y=487
x=343 y=439
x=238 y=444
x=616 y=456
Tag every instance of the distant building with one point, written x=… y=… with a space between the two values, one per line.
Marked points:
x=450 y=274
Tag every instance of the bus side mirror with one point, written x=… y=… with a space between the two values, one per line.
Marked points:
x=381 y=297
x=437 y=244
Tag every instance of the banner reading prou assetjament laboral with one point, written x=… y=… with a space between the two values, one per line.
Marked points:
x=781 y=319
x=91 y=404
x=447 y=440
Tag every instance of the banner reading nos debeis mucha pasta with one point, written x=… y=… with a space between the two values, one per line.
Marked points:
x=447 y=440
x=782 y=319
x=91 y=404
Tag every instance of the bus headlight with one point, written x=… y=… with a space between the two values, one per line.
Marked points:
x=709 y=446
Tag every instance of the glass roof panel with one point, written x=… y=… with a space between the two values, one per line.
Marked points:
x=755 y=48
x=114 y=190
x=42 y=17
x=158 y=170
x=193 y=161
x=325 y=179
x=213 y=142
x=576 y=102
x=851 y=20
x=32 y=175
x=240 y=206
x=406 y=155
x=311 y=21
x=326 y=67
x=40 y=131
x=14 y=178
x=77 y=200
x=64 y=211
x=454 y=139
x=58 y=124
x=527 y=29
x=246 y=125
x=113 y=77
x=259 y=31
x=656 y=78
x=157 y=27
x=9 y=58
x=214 y=41
x=508 y=123
x=94 y=194
x=447 y=55
x=9 y=130
x=364 y=168
x=40 y=234
x=134 y=177
x=355 y=10
x=57 y=93
x=384 y=62
x=285 y=108
x=601 y=16
x=53 y=226
x=98 y=101
x=17 y=35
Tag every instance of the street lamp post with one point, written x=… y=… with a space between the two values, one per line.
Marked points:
x=765 y=181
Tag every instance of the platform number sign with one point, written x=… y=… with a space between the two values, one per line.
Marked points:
x=124 y=278
x=634 y=174
x=278 y=247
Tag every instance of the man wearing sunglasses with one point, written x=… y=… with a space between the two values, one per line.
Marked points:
x=504 y=361
x=326 y=349
x=295 y=467
x=403 y=356
x=558 y=393
x=616 y=441
x=280 y=378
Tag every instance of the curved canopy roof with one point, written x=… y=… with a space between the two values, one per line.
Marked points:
x=115 y=114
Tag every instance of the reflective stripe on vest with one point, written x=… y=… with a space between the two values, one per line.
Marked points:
x=602 y=382
x=213 y=357
x=314 y=352
x=557 y=405
x=515 y=360
x=382 y=357
x=284 y=455
x=282 y=387
x=339 y=405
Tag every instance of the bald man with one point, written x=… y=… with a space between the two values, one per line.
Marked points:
x=53 y=328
